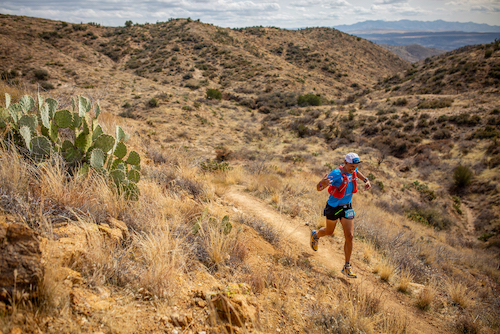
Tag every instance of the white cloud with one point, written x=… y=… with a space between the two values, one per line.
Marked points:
x=486 y=9
x=389 y=2
x=239 y=13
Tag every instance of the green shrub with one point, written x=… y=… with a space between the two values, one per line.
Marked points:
x=462 y=176
x=400 y=102
x=442 y=134
x=214 y=94
x=486 y=133
x=41 y=74
x=128 y=23
x=430 y=215
x=457 y=204
x=465 y=119
x=153 y=102
x=435 y=104
x=308 y=100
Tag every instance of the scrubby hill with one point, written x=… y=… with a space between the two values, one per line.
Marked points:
x=413 y=52
x=243 y=123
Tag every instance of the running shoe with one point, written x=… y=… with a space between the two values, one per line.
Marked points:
x=347 y=270
x=314 y=240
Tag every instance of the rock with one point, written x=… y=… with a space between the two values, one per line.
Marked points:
x=114 y=234
x=181 y=320
x=201 y=303
x=20 y=260
x=118 y=224
x=85 y=302
x=241 y=310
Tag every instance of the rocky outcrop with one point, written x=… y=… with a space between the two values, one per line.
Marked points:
x=20 y=260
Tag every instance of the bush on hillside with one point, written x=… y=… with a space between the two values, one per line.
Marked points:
x=462 y=176
x=308 y=100
x=435 y=104
x=465 y=119
x=400 y=102
x=214 y=94
x=153 y=103
x=41 y=74
x=7 y=75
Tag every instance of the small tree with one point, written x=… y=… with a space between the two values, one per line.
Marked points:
x=462 y=176
x=308 y=100
x=128 y=23
x=214 y=94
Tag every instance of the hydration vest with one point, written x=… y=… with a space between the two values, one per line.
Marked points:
x=339 y=192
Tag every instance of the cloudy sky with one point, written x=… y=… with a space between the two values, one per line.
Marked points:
x=244 y=13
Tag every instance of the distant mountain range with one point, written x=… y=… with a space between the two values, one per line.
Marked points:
x=430 y=34
x=410 y=25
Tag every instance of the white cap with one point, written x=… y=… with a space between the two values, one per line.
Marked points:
x=352 y=158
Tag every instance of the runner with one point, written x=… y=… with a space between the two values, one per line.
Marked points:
x=341 y=183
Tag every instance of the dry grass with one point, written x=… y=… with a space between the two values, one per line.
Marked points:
x=14 y=172
x=368 y=252
x=385 y=269
x=405 y=278
x=100 y=261
x=395 y=324
x=426 y=297
x=459 y=293
x=358 y=311
x=218 y=246
x=90 y=195
x=161 y=259
x=15 y=91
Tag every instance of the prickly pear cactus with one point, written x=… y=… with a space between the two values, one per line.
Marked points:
x=36 y=127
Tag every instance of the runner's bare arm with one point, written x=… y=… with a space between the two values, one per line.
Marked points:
x=363 y=178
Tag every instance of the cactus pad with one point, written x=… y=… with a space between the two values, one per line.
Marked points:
x=70 y=152
x=27 y=103
x=134 y=176
x=82 y=106
x=121 y=135
x=63 y=118
x=97 y=132
x=52 y=106
x=7 y=100
x=83 y=142
x=53 y=132
x=97 y=158
x=26 y=134
x=118 y=176
x=45 y=115
x=30 y=121
x=104 y=142
x=226 y=225
x=120 y=150
x=15 y=112
x=40 y=146
x=133 y=158
x=97 y=110
x=77 y=120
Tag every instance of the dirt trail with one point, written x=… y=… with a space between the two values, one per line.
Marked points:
x=332 y=257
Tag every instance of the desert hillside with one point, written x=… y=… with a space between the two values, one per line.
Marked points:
x=162 y=178
x=412 y=53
